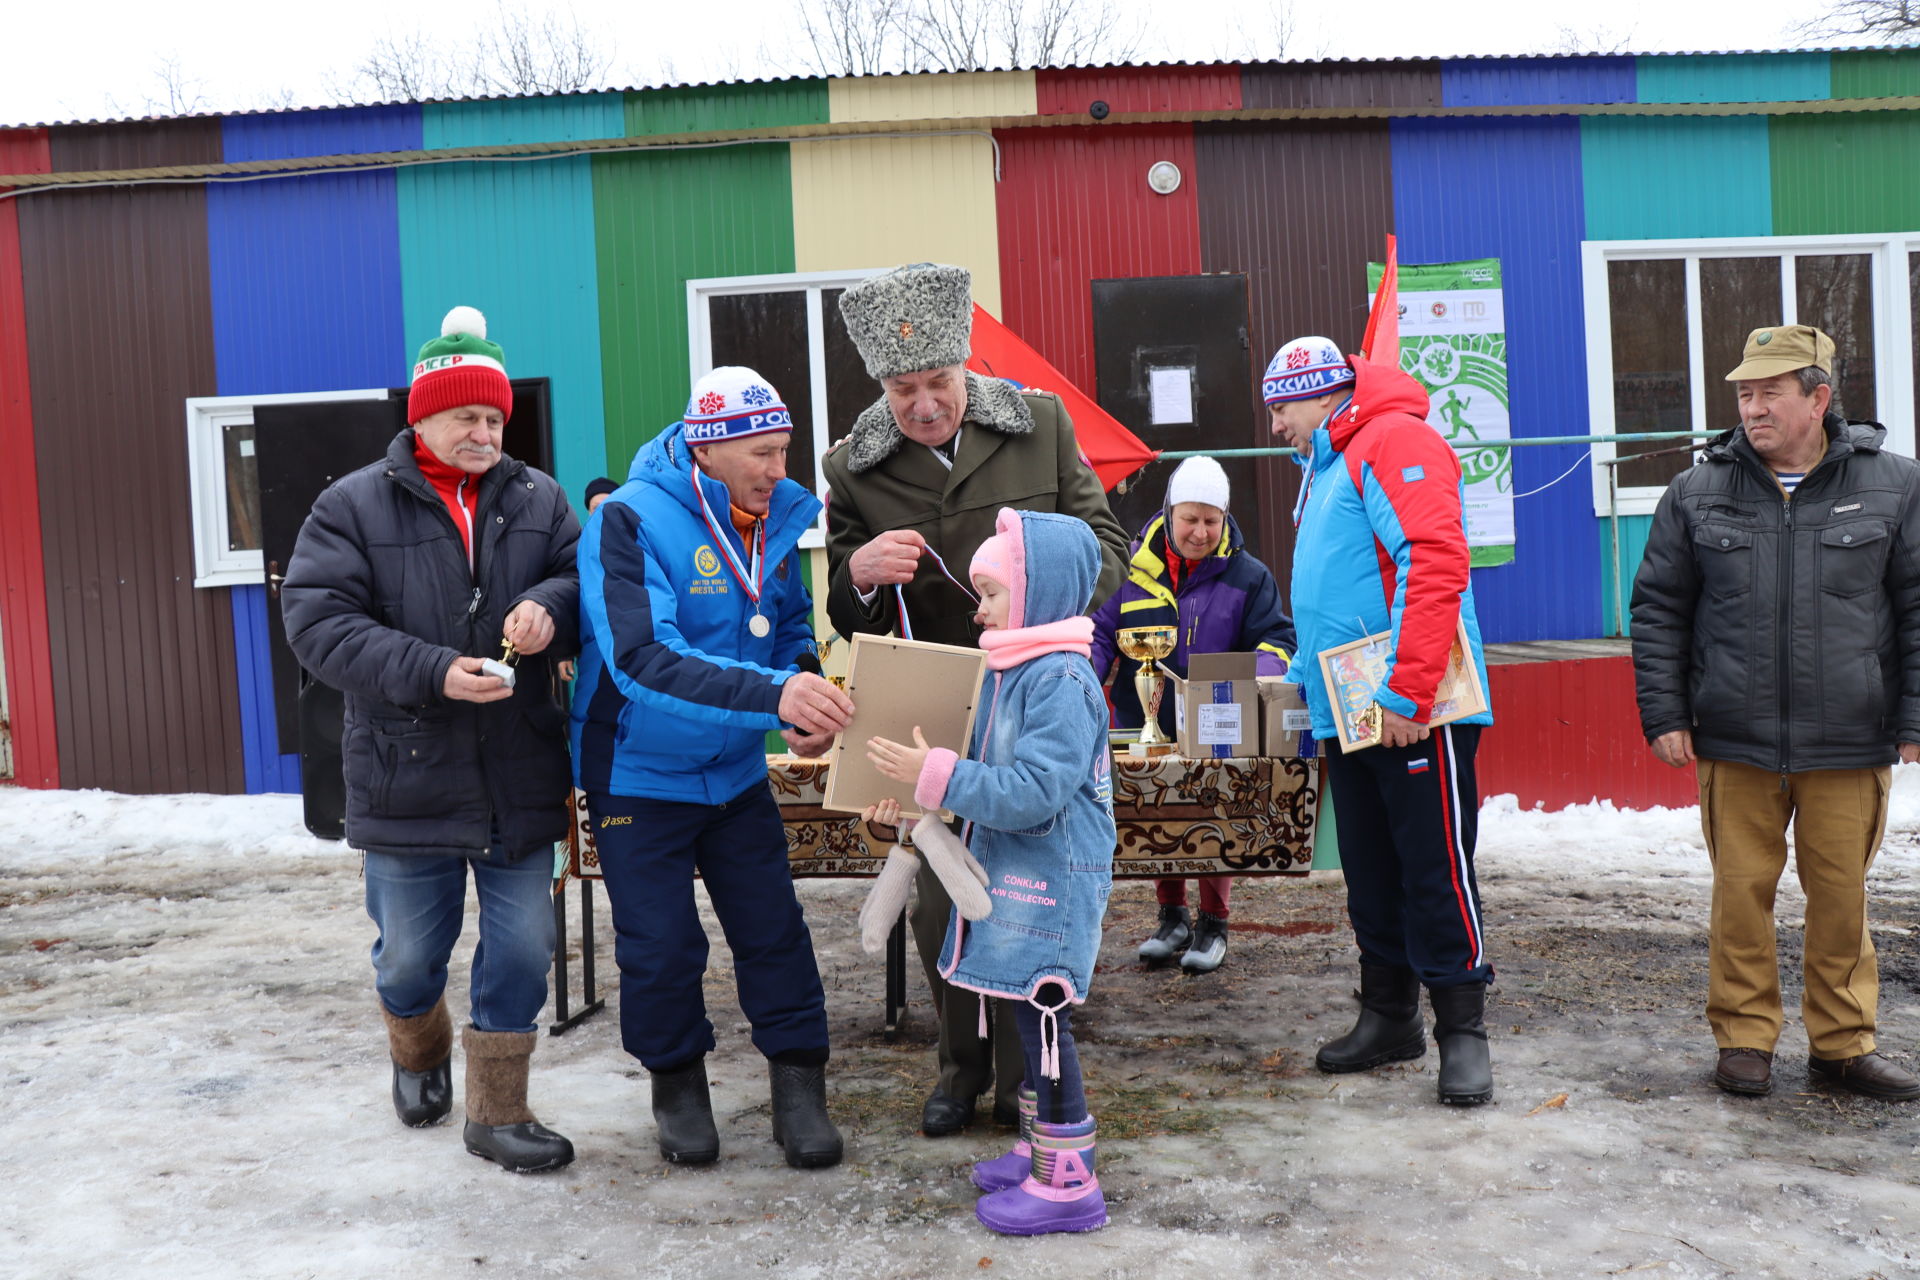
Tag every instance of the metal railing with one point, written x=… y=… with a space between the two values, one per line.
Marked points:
x=1612 y=465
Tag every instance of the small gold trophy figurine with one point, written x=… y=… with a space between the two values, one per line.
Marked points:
x=1146 y=645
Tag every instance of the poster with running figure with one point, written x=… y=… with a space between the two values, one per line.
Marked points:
x=1453 y=340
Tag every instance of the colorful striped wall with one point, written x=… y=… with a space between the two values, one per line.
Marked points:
x=581 y=262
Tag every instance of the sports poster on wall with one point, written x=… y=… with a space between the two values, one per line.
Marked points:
x=1453 y=340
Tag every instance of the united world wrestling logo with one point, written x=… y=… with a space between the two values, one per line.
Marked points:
x=705 y=562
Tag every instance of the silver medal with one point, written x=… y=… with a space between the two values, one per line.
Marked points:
x=759 y=625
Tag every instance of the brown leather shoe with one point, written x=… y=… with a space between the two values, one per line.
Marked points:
x=1869 y=1075
x=1747 y=1071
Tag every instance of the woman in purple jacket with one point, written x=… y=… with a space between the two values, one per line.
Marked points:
x=1189 y=569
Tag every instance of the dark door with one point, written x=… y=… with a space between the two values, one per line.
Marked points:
x=1171 y=363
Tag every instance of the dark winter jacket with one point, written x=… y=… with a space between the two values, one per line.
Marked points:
x=1228 y=604
x=1785 y=635
x=378 y=601
x=1016 y=450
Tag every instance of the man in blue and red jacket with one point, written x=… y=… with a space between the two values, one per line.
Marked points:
x=1382 y=547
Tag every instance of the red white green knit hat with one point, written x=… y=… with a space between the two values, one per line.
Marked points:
x=732 y=402
x=459 y=367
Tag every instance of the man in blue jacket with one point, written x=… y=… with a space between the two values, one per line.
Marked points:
x=694 y=617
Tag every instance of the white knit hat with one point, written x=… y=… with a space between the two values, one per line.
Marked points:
x=1198 y=480
x=731 y=402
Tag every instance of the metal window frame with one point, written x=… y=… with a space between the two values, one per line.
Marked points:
x=812 y=283
x=1892 y=328
x=213 y=564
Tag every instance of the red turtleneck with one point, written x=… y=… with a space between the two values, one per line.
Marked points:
x=458 y=489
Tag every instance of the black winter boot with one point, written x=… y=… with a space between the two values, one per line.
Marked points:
x=1389 y=1028
x=1466 y=1069
x=500 y=1128
x=800 y=1122
x=422 y=1051
x=683 y=1114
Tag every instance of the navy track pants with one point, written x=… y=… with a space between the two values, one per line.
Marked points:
x=1407 y=818
x=649 y=850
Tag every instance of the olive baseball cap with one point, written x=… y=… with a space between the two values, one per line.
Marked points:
x=1782 y=349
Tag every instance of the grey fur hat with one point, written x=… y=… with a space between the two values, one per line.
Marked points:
x=915 y=317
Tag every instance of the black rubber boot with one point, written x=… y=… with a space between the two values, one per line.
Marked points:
x=1459 y=1028
x=800 y=1122
x=1389 y=1028
x=683 y=1114
x=500 y=1128
x=422 y=1051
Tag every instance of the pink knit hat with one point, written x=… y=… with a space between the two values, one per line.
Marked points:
x=1003 y=558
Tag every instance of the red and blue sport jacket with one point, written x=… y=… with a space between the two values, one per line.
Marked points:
x=1382 y=546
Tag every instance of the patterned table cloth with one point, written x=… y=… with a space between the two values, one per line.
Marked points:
x=1176 y=817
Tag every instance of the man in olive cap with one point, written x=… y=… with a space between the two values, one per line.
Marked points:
x=916 y=488
x=1776 y=644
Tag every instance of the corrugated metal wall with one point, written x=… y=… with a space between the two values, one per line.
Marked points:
x=1412 y=83
x=1846 y=173
x=1572 y=735
x=527 y=260
x=1503 y=82
x=659 y=221
x=934 y=96
x=848 y=196
x=1876 y=73
x=727 y=106
x=1511 y=189
x=321 y=254
x=1742 y=77
x=1657 y=177
x=23 y=574
x=1074 y=207
x=121 y=328
x=1071 y=91
x=1299 y=208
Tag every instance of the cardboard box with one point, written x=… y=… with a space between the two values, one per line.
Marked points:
x=1286 y=726
x=1217 y=707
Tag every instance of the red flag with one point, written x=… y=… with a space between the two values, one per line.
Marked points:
x=1109 y=448
x=1382 y=342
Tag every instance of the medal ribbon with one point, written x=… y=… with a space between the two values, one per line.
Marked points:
x=900 y=595
x=749 y=582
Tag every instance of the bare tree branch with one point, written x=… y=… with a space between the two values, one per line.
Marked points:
x=1600 y=38
x=1275 y=34
x=1889 y=21
x=854 y=37
x=521 y=53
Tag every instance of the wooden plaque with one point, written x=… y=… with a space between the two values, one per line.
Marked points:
x=896 y=684
x=1355 y=670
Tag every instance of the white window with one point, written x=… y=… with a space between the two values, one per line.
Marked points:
x=226 y=483
x=788 y=329
x=1666 y=320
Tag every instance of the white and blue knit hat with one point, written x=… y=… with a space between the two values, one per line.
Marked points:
x=732 y=402
x=1303 y=369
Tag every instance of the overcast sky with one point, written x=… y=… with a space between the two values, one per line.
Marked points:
x=78 y=61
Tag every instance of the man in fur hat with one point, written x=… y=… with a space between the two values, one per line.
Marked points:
x=915 y=490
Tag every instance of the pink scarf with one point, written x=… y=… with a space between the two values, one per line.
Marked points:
x=1016 y=645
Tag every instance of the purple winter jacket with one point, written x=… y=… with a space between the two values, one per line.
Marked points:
x=1228 y=604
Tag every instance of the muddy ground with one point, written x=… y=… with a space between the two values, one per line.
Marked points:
x=195 y=1085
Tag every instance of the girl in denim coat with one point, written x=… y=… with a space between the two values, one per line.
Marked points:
x=1036 y=793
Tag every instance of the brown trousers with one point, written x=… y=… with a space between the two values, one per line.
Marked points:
x=1838 y=817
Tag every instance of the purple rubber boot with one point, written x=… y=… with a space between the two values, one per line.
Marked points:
x=1060 y=1193
x=1010 y=1170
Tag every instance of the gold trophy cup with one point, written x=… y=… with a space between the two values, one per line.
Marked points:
x=1146 y=645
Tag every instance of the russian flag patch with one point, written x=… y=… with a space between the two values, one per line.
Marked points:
x=1418 y=766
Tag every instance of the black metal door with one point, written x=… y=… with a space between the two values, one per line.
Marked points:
x=1171 y=363
x=300 y=449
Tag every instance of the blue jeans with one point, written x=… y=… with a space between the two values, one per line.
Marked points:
x=420 y=904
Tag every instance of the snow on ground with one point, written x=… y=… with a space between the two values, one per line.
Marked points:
x=195 y=1084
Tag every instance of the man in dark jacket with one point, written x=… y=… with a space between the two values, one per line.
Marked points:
x=1190 y=570
x=915 y=491
x=1776 y=642
x=406 y=576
